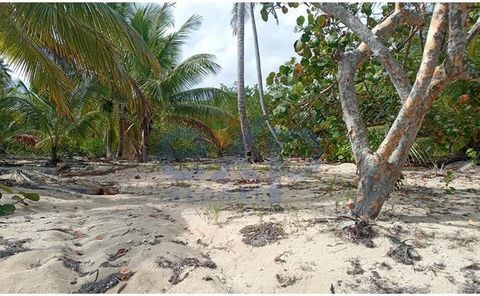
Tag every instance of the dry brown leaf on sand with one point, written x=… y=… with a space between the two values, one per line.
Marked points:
x=125 y=273
x=120 y=253
x=78 y=234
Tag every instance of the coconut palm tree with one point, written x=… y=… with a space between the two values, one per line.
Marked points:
x=239 y=29
x=259 y=76
x=36 y=117
x=172 y=92
x=90 y=36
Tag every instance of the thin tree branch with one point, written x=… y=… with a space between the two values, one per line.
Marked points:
x=395 y=71
x=409 y=110
x=457 y=36
x=471 y=74
x=348 y=65
x=473 y=31
x=409 y=45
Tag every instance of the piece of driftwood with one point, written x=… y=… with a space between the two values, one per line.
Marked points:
x=39 y=180
x=96 y=172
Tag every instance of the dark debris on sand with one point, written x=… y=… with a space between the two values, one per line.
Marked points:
x=72 y=264
x=356 y=267
x=101 y=286
x=286 y=280
x=471 y=284
x=403 y=253
x=381 y=285
x=178 y=267
x=259 y=235
x=12 y=247
x=360 y=232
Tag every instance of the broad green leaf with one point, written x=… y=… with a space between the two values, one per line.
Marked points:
x=314 y=42
x=300 y=20
x=270 y=78
x=311 y=19
x=264 y=14
x=6 y=188
x=293 y=4
x=31 y=196
x=284 y=9
x=6 y=209
x=16 y=198
x=321 y=21
x=298 y=46
x=305 y=38
x=367 y=8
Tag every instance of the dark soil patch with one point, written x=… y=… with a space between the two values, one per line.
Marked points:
x=178 y=267
x=259 y=235
x=12 y=247
x=360 y=232
x=286 y=280
x=356 y=267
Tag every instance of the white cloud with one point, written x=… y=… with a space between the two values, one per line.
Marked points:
x=215 y=37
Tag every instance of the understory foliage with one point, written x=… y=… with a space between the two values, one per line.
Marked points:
x=75 y=106
x=305 y=106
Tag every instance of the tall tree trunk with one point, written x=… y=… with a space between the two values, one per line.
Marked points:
x=250 y=151
x=379 y=170
x=108 y=142
x=54 y=159
x=145 y=129
x=259 y=78
x=121 y=135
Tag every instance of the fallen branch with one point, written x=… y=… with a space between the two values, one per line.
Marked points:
x=97 y=172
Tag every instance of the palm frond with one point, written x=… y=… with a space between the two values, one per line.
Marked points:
x=169 y=49
x=190 y=72
x=201 y=95
x=234 y=20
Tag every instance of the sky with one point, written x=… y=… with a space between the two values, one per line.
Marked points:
x=215 y=37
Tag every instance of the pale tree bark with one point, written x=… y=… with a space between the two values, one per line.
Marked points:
x=250 y=151
x=379 y=170
x=145 y=114
x=259 y=78
x=108 y=142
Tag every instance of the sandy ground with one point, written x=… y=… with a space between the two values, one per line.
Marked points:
x=181 y=229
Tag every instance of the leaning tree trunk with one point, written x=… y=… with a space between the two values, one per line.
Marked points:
x=379 y=170
x=260 y=80
x=250 y=151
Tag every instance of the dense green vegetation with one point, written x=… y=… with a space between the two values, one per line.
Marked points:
x=134 y=97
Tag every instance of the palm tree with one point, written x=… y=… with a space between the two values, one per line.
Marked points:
x=239 y=19
x=90 y=36
x=36 y=117
x=172 y=92
x=259 y=77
